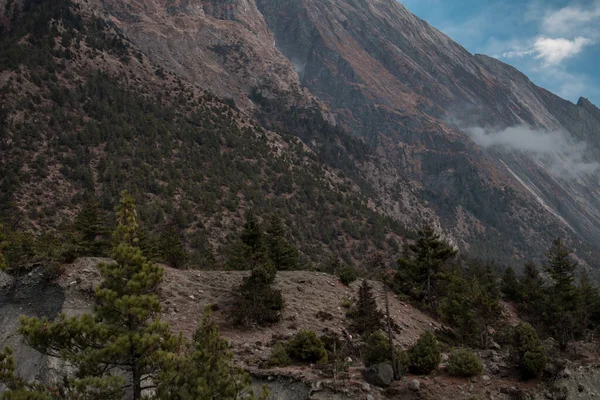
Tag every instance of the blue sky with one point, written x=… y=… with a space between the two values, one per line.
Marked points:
x=555 y=42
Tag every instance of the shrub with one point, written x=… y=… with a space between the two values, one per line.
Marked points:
x=279 y=356
x=377 y=350
x=464 y=362
x=347 y=275
x=529 y=351
x=425 y=356
x=306 y=347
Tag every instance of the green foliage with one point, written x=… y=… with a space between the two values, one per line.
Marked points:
x=364 y=316
x=258 y=302
x=528 y=351
x=306 y=347
x=206 y=371
x=171 y=249
x=421 y=268
x=464 y=362
x=347 y=275
x=425 y=356
x=471 y=303
x=377 y=350
x=281 y=252
x=562 y=306
x=91 y=229
x=511 y=287
x=279 y=356
x=125 y=330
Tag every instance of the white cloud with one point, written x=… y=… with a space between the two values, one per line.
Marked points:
x=573 y=19
x=562 y=156
x=555 y=51
x=551 y=51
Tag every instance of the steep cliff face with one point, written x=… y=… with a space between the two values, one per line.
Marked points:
x=440 y=114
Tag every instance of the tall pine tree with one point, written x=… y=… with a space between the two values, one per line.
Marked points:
x=124 y=334
x=421 y=267
x=90 y=226
x=281 y=252
x=3 y=248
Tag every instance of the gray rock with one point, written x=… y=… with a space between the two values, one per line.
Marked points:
x=370 y=397
x=379 y=375
x=414 y=385
x=495 y=346
x=486 y=378
x=366 y=387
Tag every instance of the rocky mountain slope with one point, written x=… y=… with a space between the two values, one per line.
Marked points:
x=441 y=114
x=429 y=108
x=85 y=110
x=438 y=128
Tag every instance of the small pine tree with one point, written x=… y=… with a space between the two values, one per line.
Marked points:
x=206 y=371
x=258 y=302
x=281 y=252
x=306 y=347
x=464 y=362
x=528 y=351
x=365 y=317
x=425 y=356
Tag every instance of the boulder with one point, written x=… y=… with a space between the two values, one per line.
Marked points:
x=379 y=375
x=414 y=385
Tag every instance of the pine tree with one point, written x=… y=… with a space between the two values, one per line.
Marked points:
x=125 y=333
x=249 y=251
x=258 y=302
x=528 y=350
x=561 y=267
x=206 y=371
x=281 y=252
x=365 y=316
x=90 y=227
x=420 y=269
x=425 y=356
x=171 y=247
x=510 y=285
x=562 y=300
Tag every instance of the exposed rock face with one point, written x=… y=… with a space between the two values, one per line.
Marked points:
x=398 y=82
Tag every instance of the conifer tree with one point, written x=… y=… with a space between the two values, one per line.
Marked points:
x=425 y=356
x=281 y=252
x=365 y=316
x=562 y=300
x=250 y=250
x=258 y=302
x=421 y=267
x=125 y=333
x=91 y=229
x=206 y=371
x=510 y=285
x=171 y=247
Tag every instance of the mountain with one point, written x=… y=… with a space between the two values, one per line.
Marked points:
x=86 y=112
x=203 y=109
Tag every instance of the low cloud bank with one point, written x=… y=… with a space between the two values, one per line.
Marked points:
x=558 y=152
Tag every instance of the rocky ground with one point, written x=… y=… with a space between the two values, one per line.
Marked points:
x=314 y=301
